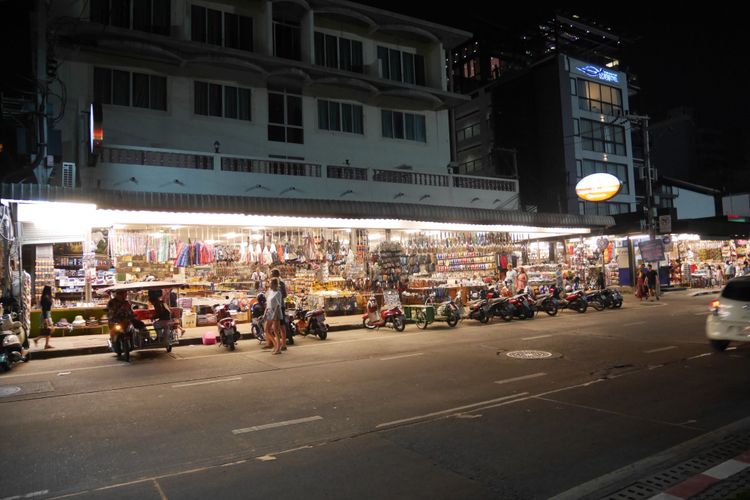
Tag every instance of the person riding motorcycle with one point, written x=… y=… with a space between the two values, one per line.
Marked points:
x=119 y=310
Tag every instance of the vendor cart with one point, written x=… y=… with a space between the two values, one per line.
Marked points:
x=429 y=312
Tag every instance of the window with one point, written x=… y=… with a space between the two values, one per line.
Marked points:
x=602 y=208
x=619 y=170
x=397 y=125
x=286 y=40
x=340 y=116
x=468 y=132
x=401 y=66
x=285 y=116
x=221 y=28
x=151 y=16
x=212 y=99
x=599 y=98
x=130 y=89
x=338 y=53
x=602 y=137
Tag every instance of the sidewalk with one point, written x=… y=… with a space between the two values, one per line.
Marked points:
x=76 y=345
x=713 y=466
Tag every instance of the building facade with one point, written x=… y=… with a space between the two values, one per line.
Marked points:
x=319 y=100
x=554 y=123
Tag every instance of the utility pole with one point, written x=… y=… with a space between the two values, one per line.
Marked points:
x=643 y=120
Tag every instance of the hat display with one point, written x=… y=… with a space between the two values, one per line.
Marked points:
x=79 y=321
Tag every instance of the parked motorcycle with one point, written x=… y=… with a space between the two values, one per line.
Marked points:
x=391 y=317
x=479 y=309
x=12 y=344
x=570 y=300
x=594 y=299
x=545 y=302
x=612 y=298
x=256 y=317
x=228 y=333
x=516 y=306
x=307 y=322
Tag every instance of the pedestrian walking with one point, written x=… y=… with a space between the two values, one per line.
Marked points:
x=641 y=283
x=272 y=315
x=46 y=327
x=522 y=280
x=730 y=271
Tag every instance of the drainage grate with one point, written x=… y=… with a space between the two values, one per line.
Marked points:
x=634 y=492
x=529 y=354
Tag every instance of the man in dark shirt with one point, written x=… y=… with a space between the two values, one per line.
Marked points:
x=652 y=276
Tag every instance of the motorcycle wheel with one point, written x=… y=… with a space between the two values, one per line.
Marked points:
x=124 y=348
x=255 y=330
x=551 y=308
x=367 y=325
x=4 y=366
x=597 y=305
x=421 y=320
x=506 y=313
x=452 y=319
x=483 y=317
x=581 y=306
x=617 y=304
x=529 y=313
x=322 y=332
x=231 y=345
x=169 y=347
x=399 y=324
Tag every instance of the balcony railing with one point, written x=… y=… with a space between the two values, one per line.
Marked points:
x=396 y=177
x=157 y=158
x=348 y=173
x=484 y=183
x=272 y=167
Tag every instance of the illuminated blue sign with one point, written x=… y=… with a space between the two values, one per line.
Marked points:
x=600 y=73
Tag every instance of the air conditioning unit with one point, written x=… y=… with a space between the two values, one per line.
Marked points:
x=68 y=175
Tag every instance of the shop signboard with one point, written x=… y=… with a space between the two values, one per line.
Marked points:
x=598 y=187
x=651 y=250
x=665 y=223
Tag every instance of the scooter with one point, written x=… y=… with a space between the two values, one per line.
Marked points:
x=479 y=309
x=391 y=317
x=310 y=322
x=12 y=346
x=227 y=326
x=514 y=307
x=571 y=300
x=545 y=302
x=612 y=298
x=256 y=313
x=594 y=299
x=121 y=338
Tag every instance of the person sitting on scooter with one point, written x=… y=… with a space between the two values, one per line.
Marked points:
x=119 y=310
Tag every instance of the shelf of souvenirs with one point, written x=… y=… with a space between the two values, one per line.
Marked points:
x=485 y=266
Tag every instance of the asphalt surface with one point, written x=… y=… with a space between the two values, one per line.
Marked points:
x=440 y=413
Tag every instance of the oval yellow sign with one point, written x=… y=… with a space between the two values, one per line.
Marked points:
x=598 y=187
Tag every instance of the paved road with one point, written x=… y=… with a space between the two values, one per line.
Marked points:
x=441 y=413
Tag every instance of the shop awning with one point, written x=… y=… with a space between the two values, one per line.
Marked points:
x=174 y=202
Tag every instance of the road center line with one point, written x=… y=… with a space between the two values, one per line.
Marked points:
x=204 y=382
x=449 y=411
x=525 y=377
x=660 y=349
x=700 y=355
x=402 y=356
x=276 y=424
x=537 y=337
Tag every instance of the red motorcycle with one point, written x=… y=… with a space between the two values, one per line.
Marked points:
x=570 y=300
x=309 y=322
x=391 y=317
x=228 y=333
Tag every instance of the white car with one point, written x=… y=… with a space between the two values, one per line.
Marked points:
x=729 y=320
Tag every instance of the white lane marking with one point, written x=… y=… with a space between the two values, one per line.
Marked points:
x=660 y=349
x=515 y=379
x=50 y=372
x=700 y=355
x=162 y=496
x=726 y=469
x=402 y=356
x=277 y=424
x=204 y=382
x=28 y=495
x=537 y=337
x=635 y=323
x=272 y=456
x=63 y=373
x=448 y=411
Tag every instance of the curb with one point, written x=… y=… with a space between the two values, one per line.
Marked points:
x=701 y=482
x=103 y=349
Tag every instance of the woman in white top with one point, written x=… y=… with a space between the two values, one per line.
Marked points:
x=273 y=315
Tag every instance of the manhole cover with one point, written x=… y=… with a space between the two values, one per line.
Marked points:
x=529 y=354
x=8 y=390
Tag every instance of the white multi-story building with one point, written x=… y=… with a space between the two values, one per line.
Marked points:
x=327 y=100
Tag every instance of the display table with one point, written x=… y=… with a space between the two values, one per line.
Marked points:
x=70 y=313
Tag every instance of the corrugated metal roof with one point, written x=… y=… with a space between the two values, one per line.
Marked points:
x=176 y=202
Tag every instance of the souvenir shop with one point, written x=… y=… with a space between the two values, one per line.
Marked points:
x=332 y=263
